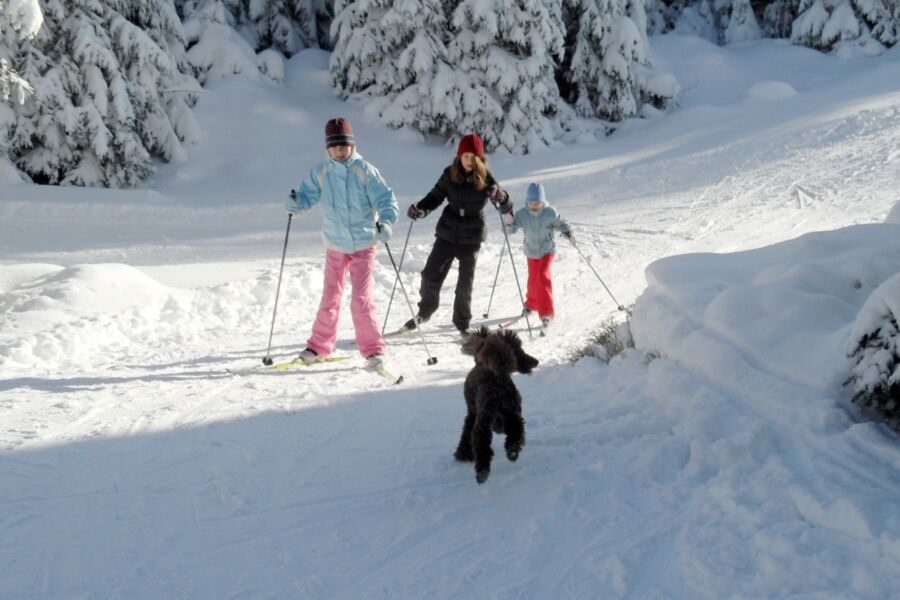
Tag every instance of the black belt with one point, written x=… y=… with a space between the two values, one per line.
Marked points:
x=462 y=212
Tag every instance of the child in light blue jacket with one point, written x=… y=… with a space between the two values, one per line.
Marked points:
x=539 y=221
x=358 y=211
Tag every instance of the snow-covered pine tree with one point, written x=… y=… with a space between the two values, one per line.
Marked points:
x=884 y=18
x=359 y=50
x=392 y=54
x=505 y=53
x=868 y=24
x=214 y=46
x=145 y=30
x=110 y=93
x=659 y=16
x=657 y=88
x=742 y=24
x=285 y=25
x=688 y=17
x=809 y=29
x=874 y=346
x=610 y=69
x=324 y=17
x=19 y=20
x=778 y=18
x=425 y=91
x=365 y=51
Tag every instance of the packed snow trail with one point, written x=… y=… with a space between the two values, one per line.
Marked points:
x=133 y=465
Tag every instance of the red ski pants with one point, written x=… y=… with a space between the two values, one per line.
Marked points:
x=540 y=286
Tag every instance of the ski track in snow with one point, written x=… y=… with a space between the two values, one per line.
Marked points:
x=134 y=466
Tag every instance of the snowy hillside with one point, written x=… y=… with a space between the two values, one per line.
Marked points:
x=720 y=458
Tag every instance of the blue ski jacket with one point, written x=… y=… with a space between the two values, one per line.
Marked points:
x=354 y=196
x=539 y=227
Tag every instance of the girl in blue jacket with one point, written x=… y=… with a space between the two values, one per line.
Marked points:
x=539 y=221
x=358 y=210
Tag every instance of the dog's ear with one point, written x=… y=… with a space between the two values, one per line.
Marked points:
x=472 y=342
x=510 y=337
x=525 y=363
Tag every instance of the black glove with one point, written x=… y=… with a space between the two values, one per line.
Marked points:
x=496 y=195
x=415 y=212
x=570 y=236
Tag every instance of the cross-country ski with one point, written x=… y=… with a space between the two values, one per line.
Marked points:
x=285 y=366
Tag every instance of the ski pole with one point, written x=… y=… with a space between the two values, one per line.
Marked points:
x=493 y=287
x=267 y=360
x=394 y=289
x=515 y=273
x=619 y=306
x=431 y=359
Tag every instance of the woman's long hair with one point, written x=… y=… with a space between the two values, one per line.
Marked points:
x=479 y=173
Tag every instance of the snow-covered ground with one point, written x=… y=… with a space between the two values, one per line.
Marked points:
x=719 y=459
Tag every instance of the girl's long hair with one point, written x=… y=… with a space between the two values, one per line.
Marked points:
x=479 y=173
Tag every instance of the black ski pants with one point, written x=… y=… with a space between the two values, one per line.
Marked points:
x=436 y=268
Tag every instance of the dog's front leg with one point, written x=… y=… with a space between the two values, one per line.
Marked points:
x=515 y=435
x=481 y=444
x=464 y=448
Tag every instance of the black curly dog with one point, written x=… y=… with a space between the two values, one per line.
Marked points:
x=492 y=401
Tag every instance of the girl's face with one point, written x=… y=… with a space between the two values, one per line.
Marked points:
x=340 y=153
x=534 y=206
x=467 y=159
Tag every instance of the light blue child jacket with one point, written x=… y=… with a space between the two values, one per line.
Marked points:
x=353 y=196
x=539 y=229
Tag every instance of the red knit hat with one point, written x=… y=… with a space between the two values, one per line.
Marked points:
x=471 y=143
x=338 y=132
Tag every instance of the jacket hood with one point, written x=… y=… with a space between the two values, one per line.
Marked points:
x=535 y=192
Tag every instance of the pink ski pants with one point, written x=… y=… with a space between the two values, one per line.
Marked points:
x=362 y=304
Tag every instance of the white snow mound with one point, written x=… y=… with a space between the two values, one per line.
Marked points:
x=770 y=90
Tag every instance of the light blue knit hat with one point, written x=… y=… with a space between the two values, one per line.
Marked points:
x=535 y=193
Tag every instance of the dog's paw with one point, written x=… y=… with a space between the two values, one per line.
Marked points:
x=481 y=476
x=512 y=453
x=463 y=456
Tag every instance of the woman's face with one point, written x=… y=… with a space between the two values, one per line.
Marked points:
x=340 y=153
x=467 y=159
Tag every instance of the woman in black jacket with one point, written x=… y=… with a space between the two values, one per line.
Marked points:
x=466 y=185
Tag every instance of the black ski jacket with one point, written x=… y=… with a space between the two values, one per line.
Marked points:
x=462 y=222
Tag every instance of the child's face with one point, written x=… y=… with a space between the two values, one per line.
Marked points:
x=533 y=205
x=340 y=153
x=467 y=159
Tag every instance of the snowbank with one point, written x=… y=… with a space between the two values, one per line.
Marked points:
x=894 y=215
x=780 y=312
